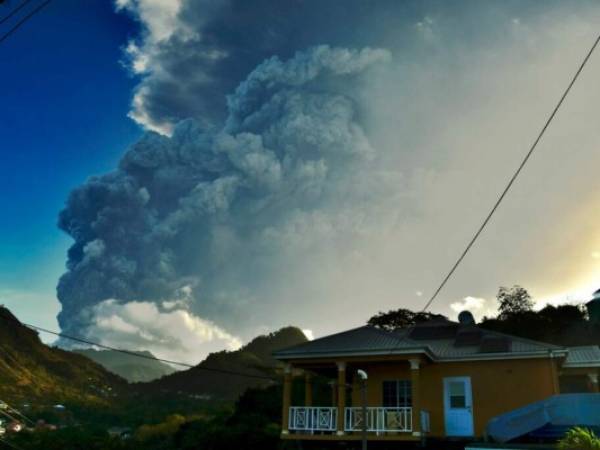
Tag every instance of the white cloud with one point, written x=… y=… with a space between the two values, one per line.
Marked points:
x=582 y=294
x=173 y=333
x=596 y=255
x=308 y=333
x=158 y=16
x=478 y=306
x=139 y=112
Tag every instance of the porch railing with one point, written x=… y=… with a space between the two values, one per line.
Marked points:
x=379 y=419
x=313 y=418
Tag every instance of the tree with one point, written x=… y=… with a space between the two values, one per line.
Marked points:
x=515 y=300
x=401 y=318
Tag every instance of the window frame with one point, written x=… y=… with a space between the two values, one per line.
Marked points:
x=397 y=393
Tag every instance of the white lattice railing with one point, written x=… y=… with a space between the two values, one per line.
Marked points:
x=379 y=419
x=312 y=418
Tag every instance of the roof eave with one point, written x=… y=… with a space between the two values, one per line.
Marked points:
x=351 y=353
x=475 y=357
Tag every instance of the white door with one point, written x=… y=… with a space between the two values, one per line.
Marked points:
x=458 y=406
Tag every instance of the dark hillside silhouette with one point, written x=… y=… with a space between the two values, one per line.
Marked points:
x=255 y=358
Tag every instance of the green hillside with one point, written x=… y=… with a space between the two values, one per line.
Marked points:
x=32 y=372
x=131 y=368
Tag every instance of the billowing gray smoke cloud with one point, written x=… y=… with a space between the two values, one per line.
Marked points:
x=194 y=52
x=207 y=211
x=315 y=185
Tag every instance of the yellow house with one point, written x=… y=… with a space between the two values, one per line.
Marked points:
x=441 y=379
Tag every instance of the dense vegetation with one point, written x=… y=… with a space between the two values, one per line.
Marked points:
x=567 y=324
x=579 y=439
x=253 y=423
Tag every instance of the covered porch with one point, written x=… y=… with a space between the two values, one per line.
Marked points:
x=393 y=401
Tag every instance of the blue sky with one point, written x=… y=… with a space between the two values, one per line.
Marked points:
x=63 y=117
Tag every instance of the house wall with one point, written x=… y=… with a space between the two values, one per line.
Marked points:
x=579 y=380
x=497 y=386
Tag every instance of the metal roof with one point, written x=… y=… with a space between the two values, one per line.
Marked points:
x=368 y=340
x=583 y=356
x=365 y=339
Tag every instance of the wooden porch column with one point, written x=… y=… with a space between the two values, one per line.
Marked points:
x=594 y=381
x=415 y=373
x=287 y=398
x=308 y=389
x=341 y=396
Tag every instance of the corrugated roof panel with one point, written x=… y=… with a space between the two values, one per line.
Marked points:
x=588 y=355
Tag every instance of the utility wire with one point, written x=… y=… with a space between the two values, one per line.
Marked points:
x=14 y=11
x=10 y=416
x=514 y=177
x=16 y=411
x=138 y=355
x=23 y=20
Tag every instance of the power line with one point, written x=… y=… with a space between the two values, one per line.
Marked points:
x=138 y=355
x=4 y=413
x=14 y=11
x=16 y=411
x=23 y=20
x=514 y=177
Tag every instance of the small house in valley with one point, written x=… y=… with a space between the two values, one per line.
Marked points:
x=440 y=378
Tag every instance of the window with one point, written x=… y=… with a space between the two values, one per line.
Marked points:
x=397 y=393
x=457 y=394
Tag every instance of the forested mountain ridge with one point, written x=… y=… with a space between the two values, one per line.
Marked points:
x=32 y=371
x=255 y=358
x=130 y=367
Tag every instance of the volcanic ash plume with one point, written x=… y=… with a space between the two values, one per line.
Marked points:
x=196 y=232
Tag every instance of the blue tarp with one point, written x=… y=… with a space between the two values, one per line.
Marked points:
x=565 y=410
